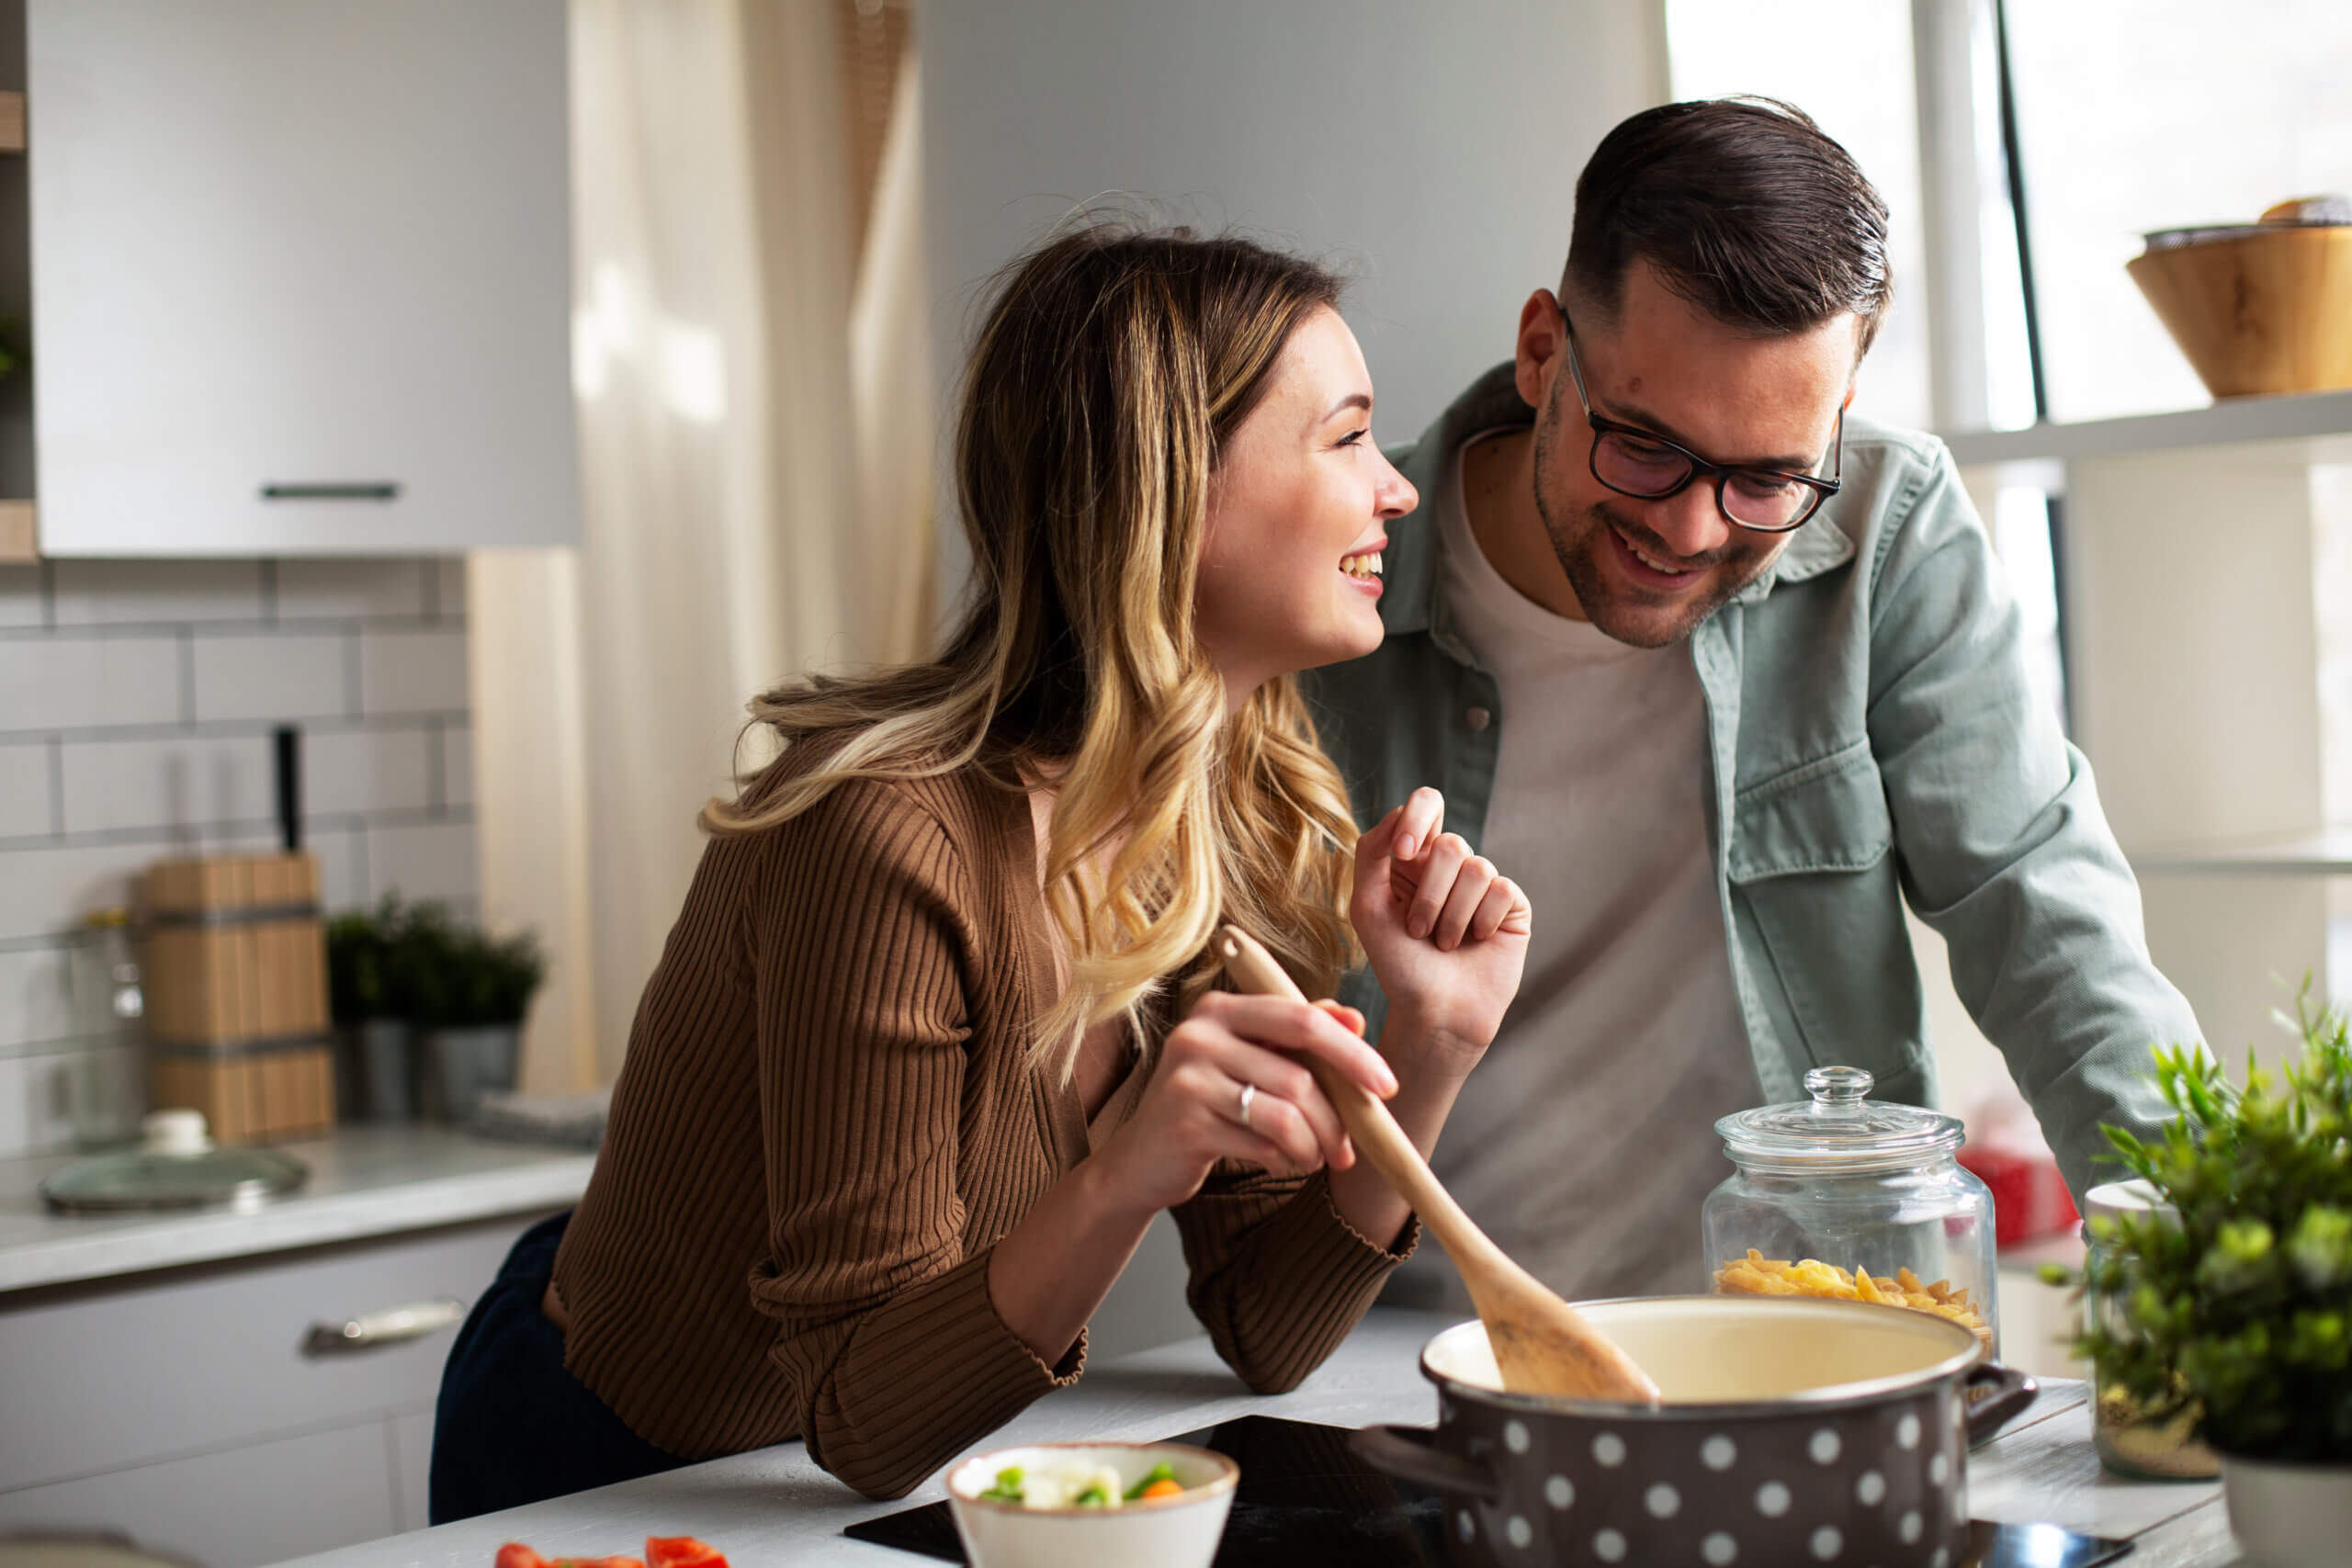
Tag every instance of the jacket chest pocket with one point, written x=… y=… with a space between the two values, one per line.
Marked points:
x=1828 y=815
x=1813 y=896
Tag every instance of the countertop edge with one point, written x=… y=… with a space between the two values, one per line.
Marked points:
x=170 y=1241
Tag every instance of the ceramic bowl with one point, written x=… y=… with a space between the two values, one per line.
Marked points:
x=1171 y=1532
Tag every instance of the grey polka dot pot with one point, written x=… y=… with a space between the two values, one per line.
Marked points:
x=1794 y=1431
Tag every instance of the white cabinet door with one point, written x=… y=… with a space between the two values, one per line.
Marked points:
x=301 y=277
x=238 y=1508
x=152 y=1369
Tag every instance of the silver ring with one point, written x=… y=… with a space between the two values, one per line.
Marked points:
x=1248 y=1093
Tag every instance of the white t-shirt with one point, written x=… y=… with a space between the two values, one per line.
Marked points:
x=1583 y=1143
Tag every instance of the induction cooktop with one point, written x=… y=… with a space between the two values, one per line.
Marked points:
x=1307 y=1501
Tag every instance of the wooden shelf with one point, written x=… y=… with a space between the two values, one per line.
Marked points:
x=19 y=536
x=2323 y=418
x=12 y=122
x=2325 y=853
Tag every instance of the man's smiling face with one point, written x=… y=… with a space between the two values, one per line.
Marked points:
x=1647 y=572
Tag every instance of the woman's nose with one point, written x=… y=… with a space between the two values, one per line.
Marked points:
x=1395 y=496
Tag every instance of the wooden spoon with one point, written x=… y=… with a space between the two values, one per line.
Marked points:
x=1542 y=1344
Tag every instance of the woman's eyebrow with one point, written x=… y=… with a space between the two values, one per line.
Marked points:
x=1353 y=401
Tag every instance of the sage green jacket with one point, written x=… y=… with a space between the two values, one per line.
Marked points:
x=1874 y=738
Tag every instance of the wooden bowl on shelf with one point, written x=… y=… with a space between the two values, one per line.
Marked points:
x=2263 y=308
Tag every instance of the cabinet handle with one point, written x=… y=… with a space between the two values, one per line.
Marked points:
x=394 y=1325
x=377 y=490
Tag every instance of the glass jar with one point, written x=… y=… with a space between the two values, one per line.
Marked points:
x=107 y=1089
x=1842 y=1196
x=2130 y=1443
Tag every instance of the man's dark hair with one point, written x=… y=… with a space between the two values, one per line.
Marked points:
x=1744 y=208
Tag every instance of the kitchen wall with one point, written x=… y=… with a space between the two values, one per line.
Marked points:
x=1431 y=151
x=136 y=704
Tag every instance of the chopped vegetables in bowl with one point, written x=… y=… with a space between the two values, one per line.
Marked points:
x=1078 y=1484
x=1094 y=1505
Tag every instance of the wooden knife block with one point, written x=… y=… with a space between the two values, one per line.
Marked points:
x=235 y=974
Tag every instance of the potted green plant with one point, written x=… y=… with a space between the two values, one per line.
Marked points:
x=466 y=993
x=375 y=1072
x=2231 y=1301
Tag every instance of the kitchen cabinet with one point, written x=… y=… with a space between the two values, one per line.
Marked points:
x=185 y=1410
x=301 y=277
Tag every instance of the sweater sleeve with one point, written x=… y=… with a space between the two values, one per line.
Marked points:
x=1276 y=1275
x=895 y=1354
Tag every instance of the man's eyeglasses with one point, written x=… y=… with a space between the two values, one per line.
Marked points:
x=1633 y=462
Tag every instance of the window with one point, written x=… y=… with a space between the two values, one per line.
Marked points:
x=2135 y=115
x=1847 y=64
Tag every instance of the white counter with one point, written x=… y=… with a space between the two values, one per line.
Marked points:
x=775 y=1507
x=364 y=1182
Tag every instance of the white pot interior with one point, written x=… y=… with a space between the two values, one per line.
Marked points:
x=1726 y=1349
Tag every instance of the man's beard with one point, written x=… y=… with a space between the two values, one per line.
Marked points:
x=1578 y=540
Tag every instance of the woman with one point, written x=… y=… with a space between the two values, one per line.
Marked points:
x=902 y=1095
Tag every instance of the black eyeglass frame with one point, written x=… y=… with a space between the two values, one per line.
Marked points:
x=1601 y=426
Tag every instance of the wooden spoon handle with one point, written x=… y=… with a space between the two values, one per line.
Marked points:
x=1377 y=1136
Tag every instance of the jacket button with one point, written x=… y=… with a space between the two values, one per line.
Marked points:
x=1478 y=718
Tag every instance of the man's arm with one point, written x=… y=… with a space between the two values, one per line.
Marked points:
x=2000 y=840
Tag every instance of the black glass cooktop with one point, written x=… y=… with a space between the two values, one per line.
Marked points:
x=1307 y=1501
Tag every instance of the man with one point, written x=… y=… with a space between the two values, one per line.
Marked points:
x=1723 y=676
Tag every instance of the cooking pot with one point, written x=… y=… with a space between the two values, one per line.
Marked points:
x=1793 y=1430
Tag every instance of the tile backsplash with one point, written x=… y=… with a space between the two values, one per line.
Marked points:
x=136 y=704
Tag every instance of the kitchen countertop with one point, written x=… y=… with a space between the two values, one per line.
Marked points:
x=364 y=1182
x=774 y=1506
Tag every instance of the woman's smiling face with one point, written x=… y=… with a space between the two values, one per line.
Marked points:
x=1289 y=574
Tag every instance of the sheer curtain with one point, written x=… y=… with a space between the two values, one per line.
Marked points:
x=756 y=448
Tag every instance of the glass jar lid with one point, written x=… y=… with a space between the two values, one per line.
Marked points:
x=1840 y=1126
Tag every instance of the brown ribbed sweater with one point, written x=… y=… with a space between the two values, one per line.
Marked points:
x=826 y=1120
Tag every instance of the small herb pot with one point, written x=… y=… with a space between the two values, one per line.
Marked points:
x=468 y=1063
x=2289 y=1516
x=1793 y=1430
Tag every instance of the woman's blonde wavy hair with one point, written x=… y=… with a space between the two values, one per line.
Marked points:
x=1112 y=369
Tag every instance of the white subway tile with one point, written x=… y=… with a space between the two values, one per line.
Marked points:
x=190 y=783
x=20 y=596
x=35 y=1004
x=92 y=593
x=33 y=1104
x=178 y=784
x=47 y=1103
x=284 y=675
x=47 y=891
x=435 y=860
x=413 y=671
x=24 y=790
x=56 y=682
x=312 y=588
x=457 y=765
x=343 y=862
x=366 y=770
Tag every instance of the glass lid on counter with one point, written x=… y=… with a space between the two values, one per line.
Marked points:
x=176 y=1167
x=1839 y=1125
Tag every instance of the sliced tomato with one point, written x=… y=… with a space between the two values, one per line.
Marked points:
x=514 y=1554
x=682 y=1551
